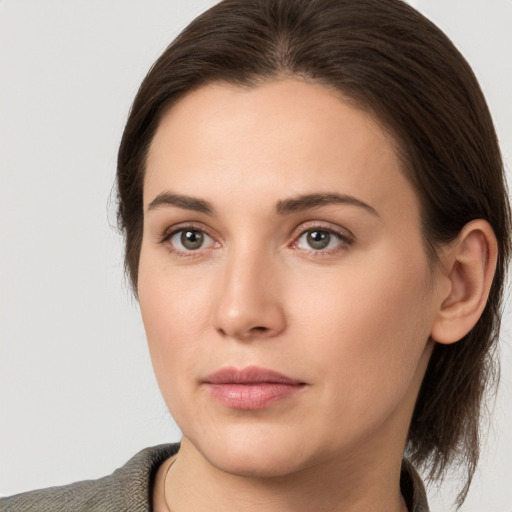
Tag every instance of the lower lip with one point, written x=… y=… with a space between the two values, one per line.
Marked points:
x=252 y=396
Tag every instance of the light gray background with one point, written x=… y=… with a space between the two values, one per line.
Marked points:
x=77 y=392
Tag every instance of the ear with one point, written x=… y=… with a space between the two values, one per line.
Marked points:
x=469 y=264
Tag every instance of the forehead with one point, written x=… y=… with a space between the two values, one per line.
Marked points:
x=286 y=135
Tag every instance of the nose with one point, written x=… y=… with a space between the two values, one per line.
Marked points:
x=249 y=304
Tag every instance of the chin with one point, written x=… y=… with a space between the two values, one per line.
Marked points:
x=255 y=453
x=254 y=463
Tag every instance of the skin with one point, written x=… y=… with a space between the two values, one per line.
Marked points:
x=353 y=322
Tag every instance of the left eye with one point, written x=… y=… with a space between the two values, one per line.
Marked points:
x=190 y=240
x=318 y=240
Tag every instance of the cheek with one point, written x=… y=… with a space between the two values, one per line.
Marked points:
x=175 y=306
x=368 y=330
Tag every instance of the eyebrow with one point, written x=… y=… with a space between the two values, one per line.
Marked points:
x=283 y=207
x=181 y=201
x=307 y=201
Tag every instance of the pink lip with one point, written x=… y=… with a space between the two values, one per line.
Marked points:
x=250 y=388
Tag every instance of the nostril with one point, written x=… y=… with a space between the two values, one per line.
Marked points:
x=253 y=331
x=259 y=329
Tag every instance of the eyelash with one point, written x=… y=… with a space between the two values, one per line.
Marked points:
x=345 y=240
x=169 y=234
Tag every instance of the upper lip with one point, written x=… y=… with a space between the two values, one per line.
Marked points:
x=248 y=375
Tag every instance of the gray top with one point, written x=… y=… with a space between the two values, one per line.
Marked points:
x=126 y=489
x=129 y=489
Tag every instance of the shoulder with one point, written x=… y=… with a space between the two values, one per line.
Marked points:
x=128 y=488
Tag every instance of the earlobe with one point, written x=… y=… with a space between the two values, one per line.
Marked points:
x=470 y=263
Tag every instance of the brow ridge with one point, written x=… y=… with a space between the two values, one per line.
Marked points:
x=283 y=207
x=181 y=201
x=308 y=201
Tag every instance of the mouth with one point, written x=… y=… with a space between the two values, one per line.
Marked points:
x=250 y=388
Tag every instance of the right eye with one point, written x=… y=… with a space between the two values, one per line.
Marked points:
x=189 y=240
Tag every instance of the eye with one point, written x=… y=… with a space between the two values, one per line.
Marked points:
x=318 y=239
x=186 y=240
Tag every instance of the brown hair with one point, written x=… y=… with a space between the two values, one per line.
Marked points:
x=396 y=64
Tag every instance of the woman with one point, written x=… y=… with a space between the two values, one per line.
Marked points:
x=317 y=231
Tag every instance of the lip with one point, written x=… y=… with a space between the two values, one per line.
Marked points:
x=250 y=388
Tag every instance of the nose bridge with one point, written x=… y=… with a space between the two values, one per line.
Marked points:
x=249 y=304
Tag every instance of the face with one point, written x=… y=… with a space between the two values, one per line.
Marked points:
x=283 y=283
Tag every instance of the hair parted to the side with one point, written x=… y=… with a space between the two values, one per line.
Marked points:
x=397 y=65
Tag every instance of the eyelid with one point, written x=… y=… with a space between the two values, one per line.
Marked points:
x=324 y=226
x=181 y=226
x=168 y=234
x=345 y=236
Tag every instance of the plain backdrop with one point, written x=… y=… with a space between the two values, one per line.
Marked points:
x=77 y=392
